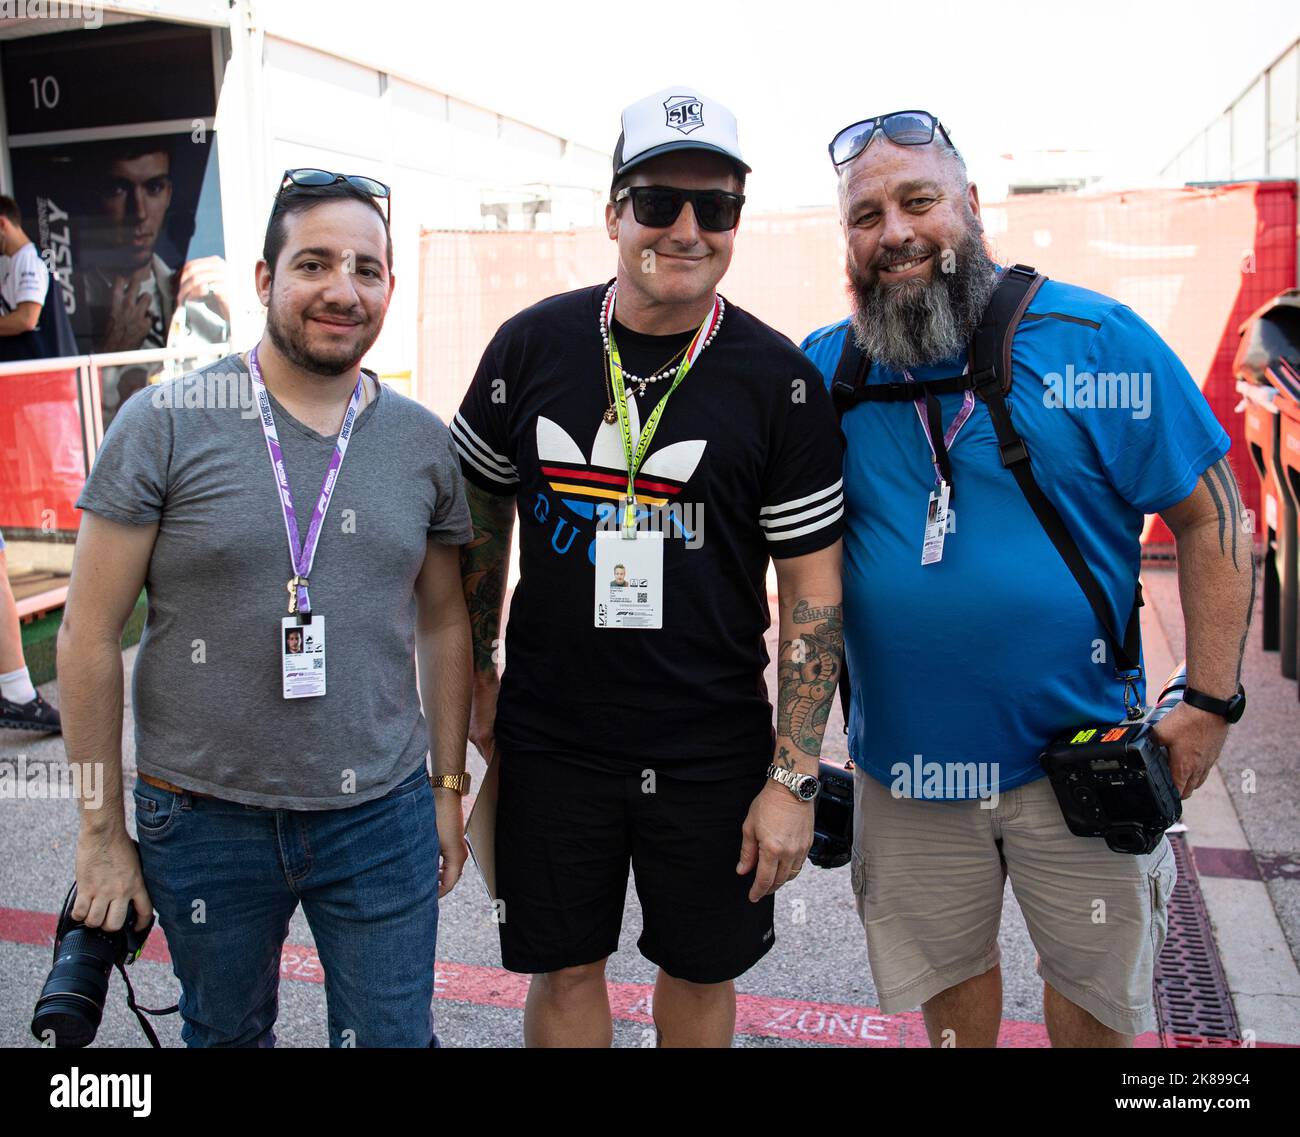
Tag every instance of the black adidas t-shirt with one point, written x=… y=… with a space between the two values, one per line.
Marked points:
x=747 y=460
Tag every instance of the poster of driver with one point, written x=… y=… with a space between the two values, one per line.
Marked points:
x=116 y=222
x=118 y=187
x=116 y=219
x=113 y=160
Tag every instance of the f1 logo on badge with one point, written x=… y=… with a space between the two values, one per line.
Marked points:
x=685 y=113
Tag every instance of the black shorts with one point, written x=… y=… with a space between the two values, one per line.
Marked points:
x=566 y=834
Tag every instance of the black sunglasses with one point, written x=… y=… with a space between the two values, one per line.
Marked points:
x=903 y=128
x=657 y=207
x=310 y=177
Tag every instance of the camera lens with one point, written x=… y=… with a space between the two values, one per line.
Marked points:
x=72 y=1001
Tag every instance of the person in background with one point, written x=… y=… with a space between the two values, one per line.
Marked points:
x=21 y=705
x=24 y=280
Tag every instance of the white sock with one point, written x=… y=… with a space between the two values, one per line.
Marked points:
x=16 y=686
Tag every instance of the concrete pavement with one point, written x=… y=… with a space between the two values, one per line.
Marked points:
x=814 y=988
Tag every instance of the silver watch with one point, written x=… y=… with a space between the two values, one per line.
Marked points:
x=804 y=786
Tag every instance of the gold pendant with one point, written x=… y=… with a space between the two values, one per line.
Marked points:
x=610 y=415
x=292 y=586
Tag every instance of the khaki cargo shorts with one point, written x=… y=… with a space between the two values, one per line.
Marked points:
x=929 y=878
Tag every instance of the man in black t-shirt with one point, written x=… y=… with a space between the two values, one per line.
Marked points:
x=632 y=724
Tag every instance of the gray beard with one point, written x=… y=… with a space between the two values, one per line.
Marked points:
x=916 y=322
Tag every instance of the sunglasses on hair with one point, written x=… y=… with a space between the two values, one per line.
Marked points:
x=658 y=207
x=308 y=177
x=903 y=128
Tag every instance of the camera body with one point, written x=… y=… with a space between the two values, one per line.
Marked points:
x=1113 y=781
x=72 y=1000
x=833 y=820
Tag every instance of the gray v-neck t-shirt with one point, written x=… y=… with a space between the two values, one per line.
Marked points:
x=209 y=712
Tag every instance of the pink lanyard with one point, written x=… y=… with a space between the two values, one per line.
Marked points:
x=949 y=435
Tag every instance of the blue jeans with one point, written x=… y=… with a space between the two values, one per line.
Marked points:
x=225 y=879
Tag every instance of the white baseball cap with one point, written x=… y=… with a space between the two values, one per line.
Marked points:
x=676 y=118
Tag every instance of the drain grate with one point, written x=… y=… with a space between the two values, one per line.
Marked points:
x=1193 y=1006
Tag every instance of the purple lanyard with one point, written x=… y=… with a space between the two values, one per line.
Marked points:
x=302 y=555
x=949 y=435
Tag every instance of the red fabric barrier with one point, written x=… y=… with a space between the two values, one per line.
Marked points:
x=1194 y=263
x=42 y=451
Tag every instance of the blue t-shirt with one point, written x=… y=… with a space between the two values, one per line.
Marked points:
x=987 y=655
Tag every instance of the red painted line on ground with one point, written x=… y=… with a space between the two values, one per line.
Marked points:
x=1230 y=864
x=764 y=1016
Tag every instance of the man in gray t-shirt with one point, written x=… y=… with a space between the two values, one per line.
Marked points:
x=280 y=741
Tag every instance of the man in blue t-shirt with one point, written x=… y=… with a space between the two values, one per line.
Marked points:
x=968 y=655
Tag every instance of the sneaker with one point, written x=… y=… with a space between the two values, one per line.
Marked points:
x=36 y=715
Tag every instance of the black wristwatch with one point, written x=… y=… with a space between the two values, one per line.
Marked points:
x=1231 y=709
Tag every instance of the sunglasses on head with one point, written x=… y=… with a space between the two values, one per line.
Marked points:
x=658 y=207
x=903 y=128
x=315 y=178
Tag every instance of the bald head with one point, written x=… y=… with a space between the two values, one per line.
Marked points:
x=918 y=270
x=938 y=161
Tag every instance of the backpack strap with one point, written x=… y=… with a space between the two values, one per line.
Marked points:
x=990 y=346
x=991 y=366
x=850 y=378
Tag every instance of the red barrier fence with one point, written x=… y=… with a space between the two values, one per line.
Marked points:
x=53 y=413
x=1192 y=262
x=42 y=449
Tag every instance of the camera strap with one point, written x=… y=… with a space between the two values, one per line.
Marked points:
x=989 y=376
x=140 y=1012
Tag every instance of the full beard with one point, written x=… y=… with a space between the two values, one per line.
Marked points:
x=291 y=342
x=918 y=321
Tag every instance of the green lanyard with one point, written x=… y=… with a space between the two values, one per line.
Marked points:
x=634 y=459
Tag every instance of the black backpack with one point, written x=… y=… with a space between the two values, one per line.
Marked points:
x=989 y=377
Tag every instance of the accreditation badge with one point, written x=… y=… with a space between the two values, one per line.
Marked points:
x=302 y=656
x=629 y=580
x=936 y=525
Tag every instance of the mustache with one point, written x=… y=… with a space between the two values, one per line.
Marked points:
x=906 y=253
x=356 y=314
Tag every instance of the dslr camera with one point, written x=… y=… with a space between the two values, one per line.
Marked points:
x=72 y=1001
x=1113 y=781
x=833 y=820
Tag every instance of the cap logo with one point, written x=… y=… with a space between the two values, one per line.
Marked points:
x=685 y=113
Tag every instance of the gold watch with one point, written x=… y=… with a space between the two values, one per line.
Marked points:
x=457 y=782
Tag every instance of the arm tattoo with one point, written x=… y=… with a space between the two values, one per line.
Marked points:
x=1222 y=485
x=483 y=565
x=808 y=672
x=1250 y=615
x=805 y=615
